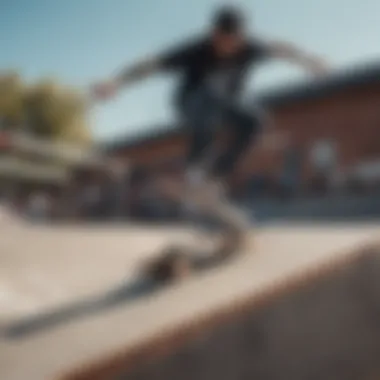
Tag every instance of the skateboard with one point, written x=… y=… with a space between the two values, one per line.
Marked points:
x=179 y=262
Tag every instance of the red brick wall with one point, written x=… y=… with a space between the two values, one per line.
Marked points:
x=351 y=117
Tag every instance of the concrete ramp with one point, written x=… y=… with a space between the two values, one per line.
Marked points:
x=303 y=303
x=44 y=267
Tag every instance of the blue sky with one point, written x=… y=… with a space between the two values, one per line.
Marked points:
x=79 y=41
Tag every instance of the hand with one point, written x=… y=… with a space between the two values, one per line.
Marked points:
x=105 y=90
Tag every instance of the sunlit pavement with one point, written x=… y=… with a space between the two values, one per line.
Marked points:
x=42 y=268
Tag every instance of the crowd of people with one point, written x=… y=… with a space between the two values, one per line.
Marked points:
x=120 y=192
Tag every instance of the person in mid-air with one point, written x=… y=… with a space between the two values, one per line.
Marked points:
x=212 y=71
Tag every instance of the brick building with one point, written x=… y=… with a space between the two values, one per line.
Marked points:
x=344 y=107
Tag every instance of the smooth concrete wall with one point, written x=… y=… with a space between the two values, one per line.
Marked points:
x=327 y=328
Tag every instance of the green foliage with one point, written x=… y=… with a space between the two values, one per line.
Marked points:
x=12 y=92
x=46 y=109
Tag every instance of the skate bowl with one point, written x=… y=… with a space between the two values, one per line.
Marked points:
x=302 y=303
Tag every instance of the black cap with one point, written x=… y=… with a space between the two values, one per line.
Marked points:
x=228 y=20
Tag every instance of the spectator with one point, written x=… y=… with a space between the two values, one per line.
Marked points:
x=38 y=206
x=90 y=199
x=117 y=189
x=290 y=176
x=324 y=161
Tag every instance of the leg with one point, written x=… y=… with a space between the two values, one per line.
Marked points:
x=200 y=112
x=197 y=113
x=245 y=127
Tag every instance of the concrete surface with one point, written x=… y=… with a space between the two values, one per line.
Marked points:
x=43 y=268
x=322 y=326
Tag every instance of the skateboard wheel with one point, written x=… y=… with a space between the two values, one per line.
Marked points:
x=174 y=264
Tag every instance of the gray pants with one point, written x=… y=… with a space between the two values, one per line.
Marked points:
x=203 y=112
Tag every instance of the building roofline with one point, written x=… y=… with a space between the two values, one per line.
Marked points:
x=341 y=80
x=283 y=96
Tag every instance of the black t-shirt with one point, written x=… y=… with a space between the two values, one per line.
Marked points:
x=199 y=65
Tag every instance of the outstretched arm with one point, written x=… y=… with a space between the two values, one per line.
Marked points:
x=290 y=53
x=138 y=72
x=171 y=60
x=128 y=76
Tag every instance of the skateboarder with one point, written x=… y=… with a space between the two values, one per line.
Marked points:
x=213 y=69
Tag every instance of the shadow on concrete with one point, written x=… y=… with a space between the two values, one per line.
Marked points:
x=113 y=298
x=118 y=297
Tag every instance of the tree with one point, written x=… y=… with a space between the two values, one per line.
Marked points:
x=46 y=109
x=12 y=92
x=74 y=126
x=57 y=112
